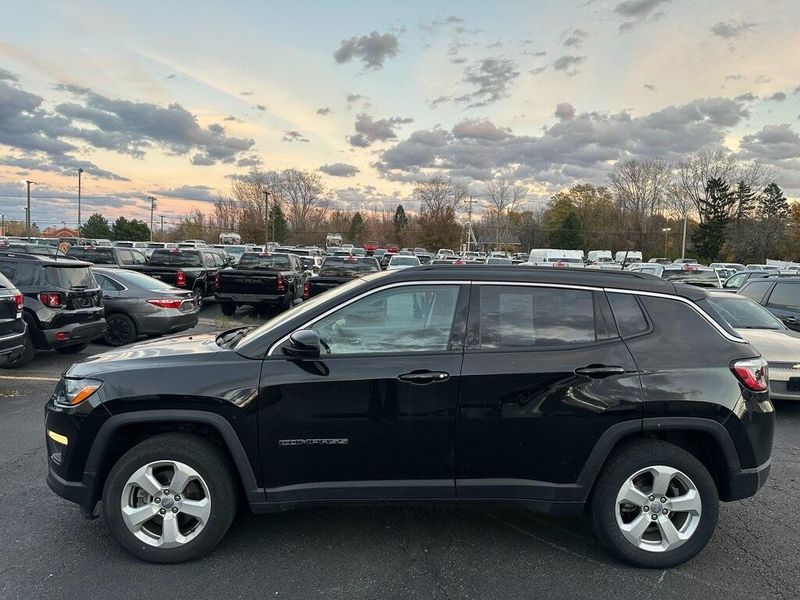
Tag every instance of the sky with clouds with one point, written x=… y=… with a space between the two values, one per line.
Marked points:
x=173 y=99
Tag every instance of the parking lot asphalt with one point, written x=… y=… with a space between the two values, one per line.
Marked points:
x=50 y=551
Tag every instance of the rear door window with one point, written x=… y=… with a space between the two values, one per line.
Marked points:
x=628 y=314
x=524 y=317
x=755 y=290
x=785 y=295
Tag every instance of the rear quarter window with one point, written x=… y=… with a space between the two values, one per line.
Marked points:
x=755 y=290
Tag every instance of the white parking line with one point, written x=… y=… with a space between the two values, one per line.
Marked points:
x=28 y=378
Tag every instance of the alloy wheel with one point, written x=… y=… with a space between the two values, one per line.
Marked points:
x=658 y=508
x=165 y=504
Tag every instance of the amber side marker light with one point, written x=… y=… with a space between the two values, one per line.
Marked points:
x=58 y=438
x=76 y=391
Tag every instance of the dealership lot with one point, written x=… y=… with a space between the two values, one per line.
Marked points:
x=354 y=552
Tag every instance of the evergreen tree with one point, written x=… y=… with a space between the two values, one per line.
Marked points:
x=772 y=202
x=96 y=226
x=567 y=234
x=356 y=228
x=400 y=223
x=278 y=225
x=716 y=209
x=745 y=200
x=133 y=230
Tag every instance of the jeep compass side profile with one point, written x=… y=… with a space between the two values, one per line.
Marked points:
x=619 y=394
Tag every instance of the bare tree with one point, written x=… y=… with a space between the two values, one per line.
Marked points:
x=639 y=187
x=303 y=194
x=439 y=197
x=505 y=198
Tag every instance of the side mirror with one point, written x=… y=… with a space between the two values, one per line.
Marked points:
x=303 y=344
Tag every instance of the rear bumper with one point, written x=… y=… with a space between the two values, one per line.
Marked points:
x=12 y=346
x=78 y=333
x=269 y=299
x=171 y=321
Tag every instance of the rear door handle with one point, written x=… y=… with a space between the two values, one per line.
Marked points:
x=790 y=319
x=599 y=371
x=424 y=377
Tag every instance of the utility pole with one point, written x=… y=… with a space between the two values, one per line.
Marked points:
x=266 y=219
x=470 y=233
x=162 y=227
x=79 y=201
x=683 y=246
x=28 y=210
x=2 y=224
x=152 y=208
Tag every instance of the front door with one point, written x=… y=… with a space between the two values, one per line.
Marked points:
x=545 y=374
x=374 y=416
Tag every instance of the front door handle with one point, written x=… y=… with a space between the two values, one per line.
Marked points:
x=599 y=371
x=790 y=319
x=424 y=377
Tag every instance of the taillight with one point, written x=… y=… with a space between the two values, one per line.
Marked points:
x=19 y=298
x=306 y=290
x=50 y=299
x=753 y=374
x=180 y=279
x=279 y=285
x=216 y=281
x=166 y=302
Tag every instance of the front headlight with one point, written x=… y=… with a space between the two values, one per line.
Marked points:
x=72 y=392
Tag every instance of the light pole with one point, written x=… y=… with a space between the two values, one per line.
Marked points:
x=683 y=246
x=28 y=210
x=80 y=171
x=162 y=227
x=666 y=231
x=152 y=208
x=266 y=219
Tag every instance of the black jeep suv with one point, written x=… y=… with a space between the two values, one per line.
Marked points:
x=62 y=303
x=565 y=391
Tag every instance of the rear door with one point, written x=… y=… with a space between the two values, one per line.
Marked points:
x=784 y=302
x=545 y=373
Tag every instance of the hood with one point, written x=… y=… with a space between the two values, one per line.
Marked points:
x=775 y=346
x=176 y=350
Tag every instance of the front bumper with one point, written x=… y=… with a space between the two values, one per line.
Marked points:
x=78 y=333
x=779 y=382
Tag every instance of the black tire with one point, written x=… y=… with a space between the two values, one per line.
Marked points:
x=624 y=463
x=28 y=353
x=120 y=330
x=209 y=462
x=287 y=302
x=74 y=349
x=228 y=308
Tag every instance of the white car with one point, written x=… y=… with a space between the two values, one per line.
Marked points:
x=402 y=261
x=779 y=345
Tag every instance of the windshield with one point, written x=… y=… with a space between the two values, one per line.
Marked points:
x=70 y=278
x=404 y=261
x=138 y=279
x=742 y=313
x=335 y=266
x=698 y=277
x=236 y=250
x=175 y=258
x=263 y=261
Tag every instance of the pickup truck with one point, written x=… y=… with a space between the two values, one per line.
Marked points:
x=336 y=270
x=108 y=256
x=189 y=269
x=262 y=279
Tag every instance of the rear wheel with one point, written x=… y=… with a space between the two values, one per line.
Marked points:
x=72 y=349
x=120 y=330
x=228 y=308
x=197 y=292
x=170 y=499
x=654 y=505
x=288 y=301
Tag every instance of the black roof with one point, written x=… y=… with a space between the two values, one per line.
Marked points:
x=63 y=261
x=589 y=277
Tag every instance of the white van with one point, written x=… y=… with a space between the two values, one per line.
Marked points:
x=600 y=256
x=553 y=257
x=628 y=256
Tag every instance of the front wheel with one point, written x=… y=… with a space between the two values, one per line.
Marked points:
x=170 y=499
x=197 y=292
x=654 y=505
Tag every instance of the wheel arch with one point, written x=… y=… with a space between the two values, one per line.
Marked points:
x=121 y=432
x=706 y=439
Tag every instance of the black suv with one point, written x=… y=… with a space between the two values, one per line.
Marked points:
x=108 y=256
x=62 y=303
x=12 y=326
x=779 y=294
x=619 y=394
